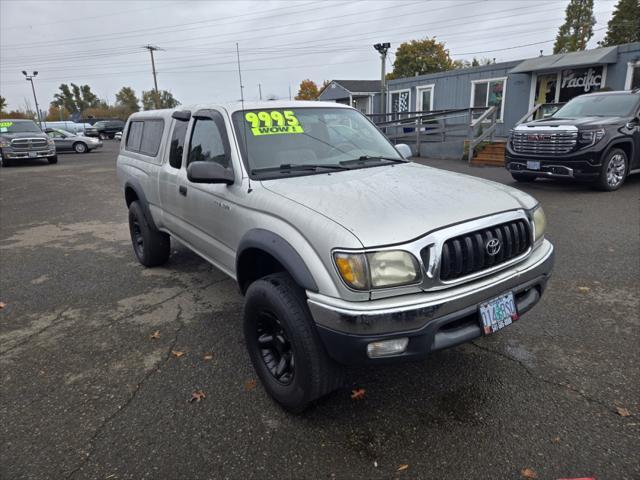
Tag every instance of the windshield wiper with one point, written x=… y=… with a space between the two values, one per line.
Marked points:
x=292 y=167
x=368 y=158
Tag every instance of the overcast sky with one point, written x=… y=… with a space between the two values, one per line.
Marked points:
x=100 y=43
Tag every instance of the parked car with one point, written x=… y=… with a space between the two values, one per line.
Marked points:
x=73 y=127
x=108 y=128
x=594 y=137
x=346 y=252
x=118 y=136
x=70 y=142
x=23 y=139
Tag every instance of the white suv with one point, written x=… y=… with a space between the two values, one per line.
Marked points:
x=346 y=252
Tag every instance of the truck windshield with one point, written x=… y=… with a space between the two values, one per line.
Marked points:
x=598 y=106
x=24 y=126
x=280 y=141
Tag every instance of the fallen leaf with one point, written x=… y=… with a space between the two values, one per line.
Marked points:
x=358 y=394
x=584 y=289
x=2 y=305
x=555 y=440
x=197 y=396
x=208 y=356
x=177 y=353
x=623 y=412
x=250 y=384
x=402 y=467
x=155 y=335
x=528 y=473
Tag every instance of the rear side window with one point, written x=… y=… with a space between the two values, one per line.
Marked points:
x=207 y=144
x=177 y=143
x=145 y=136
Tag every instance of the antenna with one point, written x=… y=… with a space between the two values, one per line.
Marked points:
x=244 y=125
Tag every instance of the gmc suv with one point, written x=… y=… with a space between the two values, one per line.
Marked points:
x=346 y=252
x=23 y=139
x=594 y=137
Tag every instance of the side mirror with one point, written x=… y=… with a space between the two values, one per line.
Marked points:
x=183 y=115
x=209 y=172
x=404 y=150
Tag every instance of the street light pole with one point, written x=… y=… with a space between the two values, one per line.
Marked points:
x=382 y=48
x=33 y=89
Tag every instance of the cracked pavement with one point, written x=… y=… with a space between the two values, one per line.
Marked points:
x=86 y=393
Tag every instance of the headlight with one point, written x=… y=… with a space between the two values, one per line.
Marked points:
x=591 y=137
x=388 y=268
x=4 y=143
x=539 y=223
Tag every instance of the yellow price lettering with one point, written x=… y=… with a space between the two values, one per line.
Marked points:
x=266 y=118
x=277 y=116
x=253 y=119
x=291 y=118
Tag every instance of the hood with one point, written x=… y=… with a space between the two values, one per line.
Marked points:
x=11 y=136
x=583 y=122
x=394 y=204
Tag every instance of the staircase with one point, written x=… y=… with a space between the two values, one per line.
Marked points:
x=491 y=155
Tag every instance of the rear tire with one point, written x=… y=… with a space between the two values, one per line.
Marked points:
x=283 y=344
x=615 y=168
x=523 y=177
x=52 y=160
x=151 y=247
x=80 y=147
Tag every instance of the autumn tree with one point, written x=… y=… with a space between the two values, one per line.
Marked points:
x=126 y=99
x=56 y=113
x=76 y=98
x=164 y=99
x=419 y=57
x=308 y=90
x=473 y=63
x=624 y=26
x=577 y=28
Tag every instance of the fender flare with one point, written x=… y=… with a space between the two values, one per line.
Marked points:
x=282 y=251
x=134 y=185
x=616 y=144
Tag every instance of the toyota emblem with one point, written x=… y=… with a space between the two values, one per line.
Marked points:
x=493 y=246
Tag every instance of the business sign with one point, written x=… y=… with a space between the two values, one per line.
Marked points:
x=578 y=81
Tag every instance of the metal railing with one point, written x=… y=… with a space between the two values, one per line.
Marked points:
x=439 y=126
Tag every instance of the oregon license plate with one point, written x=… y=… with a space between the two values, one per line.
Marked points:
x=33 y=154
x=498 y=313
x=533 y=165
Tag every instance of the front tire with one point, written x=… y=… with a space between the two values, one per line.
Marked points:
x=80 y=147
x=614 y=170
x=523 y=177
x=283 y=344
x=151 y=247
x=52 y=160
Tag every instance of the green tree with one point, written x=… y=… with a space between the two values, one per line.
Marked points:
x=624 y=26
x=419 y=57
x=76 y=98
x=165 y=99
x=577 y=28
x=308 y=90
x=126 y=100
x=3 y=103
x=473 y=63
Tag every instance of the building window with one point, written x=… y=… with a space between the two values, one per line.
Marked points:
x=633 y=75
x=425 y=98
x=489 y=93
x=578 y=81
x=399 y=102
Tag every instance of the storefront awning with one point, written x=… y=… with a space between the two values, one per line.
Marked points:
x=568 y=60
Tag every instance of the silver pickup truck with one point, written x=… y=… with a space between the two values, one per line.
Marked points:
x=23 y=140
x=346 y=251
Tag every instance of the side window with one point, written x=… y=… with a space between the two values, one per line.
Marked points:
x=134 y=136
x=207 y=144
x=177 y=143
x=151 y=137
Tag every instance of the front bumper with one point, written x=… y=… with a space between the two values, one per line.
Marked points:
x=431 y=320
x=582 y=165
x=9 y=153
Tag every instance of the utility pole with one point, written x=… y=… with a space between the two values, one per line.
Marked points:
x=260 y=91
x=152 y=49
x=383 y=48
x=30 y=79
x=289 y=92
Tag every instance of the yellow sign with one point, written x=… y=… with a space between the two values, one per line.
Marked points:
x=273 y=123
x=6 y=124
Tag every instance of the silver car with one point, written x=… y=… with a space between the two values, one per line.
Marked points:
x=70 y=142
x=346 y=251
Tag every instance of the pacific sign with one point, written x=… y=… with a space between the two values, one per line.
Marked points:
x=587 y=80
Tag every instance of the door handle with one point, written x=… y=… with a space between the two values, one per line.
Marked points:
x=183 y=190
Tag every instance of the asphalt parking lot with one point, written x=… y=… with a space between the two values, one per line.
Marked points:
x=99 y=357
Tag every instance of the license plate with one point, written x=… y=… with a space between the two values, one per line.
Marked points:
x=533 y=165
x=33 y=154
x=498 y=313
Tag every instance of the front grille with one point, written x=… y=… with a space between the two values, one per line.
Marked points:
x=468 y=254
x=28 y=143
x=544 y=143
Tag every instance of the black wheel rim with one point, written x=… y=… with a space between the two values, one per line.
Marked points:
x=275 y=348
x=138 y=240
